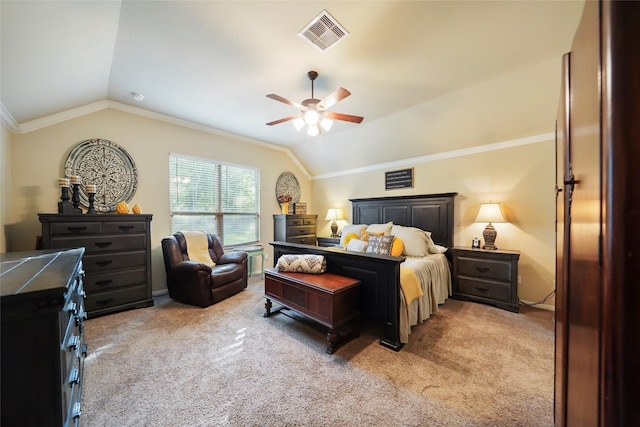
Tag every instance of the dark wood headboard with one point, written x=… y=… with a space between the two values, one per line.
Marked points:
x=429 y=212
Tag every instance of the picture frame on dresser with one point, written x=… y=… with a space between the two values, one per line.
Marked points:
x=117 y=260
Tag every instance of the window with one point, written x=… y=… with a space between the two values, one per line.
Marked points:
x=219 y=198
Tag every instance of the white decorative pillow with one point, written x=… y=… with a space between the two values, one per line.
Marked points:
x=437 y=249
x=304 y=263
x=416 y=241
x=357 y=245
x=385 y=228
x=380 y=245
x=348 y=229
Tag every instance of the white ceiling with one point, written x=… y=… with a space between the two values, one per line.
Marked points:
x=213 y=62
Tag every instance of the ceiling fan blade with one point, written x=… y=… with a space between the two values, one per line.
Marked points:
x=344 y=117
x=285 y=100
x=286 y=119
x=335 y=96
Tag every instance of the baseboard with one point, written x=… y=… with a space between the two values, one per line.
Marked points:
x=160 y=292
x=541 y=306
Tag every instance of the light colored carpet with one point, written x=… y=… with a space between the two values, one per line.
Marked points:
x=227 y=365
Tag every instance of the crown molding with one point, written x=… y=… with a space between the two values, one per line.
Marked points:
x=73 y=113
x=544 y=137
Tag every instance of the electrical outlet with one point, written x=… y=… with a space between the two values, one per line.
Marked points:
x=266 y=257
x=519 y=279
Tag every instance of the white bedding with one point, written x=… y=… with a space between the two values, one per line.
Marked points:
x=434 y=276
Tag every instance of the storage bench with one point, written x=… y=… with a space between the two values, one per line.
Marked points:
x=329 y=299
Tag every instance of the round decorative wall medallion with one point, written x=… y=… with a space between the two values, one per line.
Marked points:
x=287 y=183
x=107 y=166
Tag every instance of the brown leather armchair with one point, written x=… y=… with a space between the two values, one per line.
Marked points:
x=198 y=284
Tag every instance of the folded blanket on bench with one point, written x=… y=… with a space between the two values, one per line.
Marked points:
x=303 y=263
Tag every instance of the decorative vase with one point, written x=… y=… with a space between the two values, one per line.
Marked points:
x=285 y=207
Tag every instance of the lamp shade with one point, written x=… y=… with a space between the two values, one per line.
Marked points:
x=490 y=212
x=333 y=214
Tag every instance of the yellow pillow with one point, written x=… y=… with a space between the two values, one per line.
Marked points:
x=349 y=237
x=397 y=247
x=366 y=234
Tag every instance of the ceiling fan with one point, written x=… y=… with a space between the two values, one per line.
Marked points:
x=313 y=112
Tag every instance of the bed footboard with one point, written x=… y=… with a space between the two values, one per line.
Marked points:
x=380 y=282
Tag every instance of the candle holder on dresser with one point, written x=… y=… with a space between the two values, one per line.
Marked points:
x=91 y=193
x=64 y=205
x=75 y=197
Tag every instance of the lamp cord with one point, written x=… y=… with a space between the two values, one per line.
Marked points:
x=533 y=304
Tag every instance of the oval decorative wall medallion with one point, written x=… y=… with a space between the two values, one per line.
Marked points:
x=106 y=165
x=287 y=183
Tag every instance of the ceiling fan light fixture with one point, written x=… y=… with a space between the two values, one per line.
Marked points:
x=311 y=117
x=326 y=124
x=313 y=130
x=298 y=123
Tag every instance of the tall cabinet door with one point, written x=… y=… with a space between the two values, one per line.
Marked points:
x=579 y=291
x=598 y=221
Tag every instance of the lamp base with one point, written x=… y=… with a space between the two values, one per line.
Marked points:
x=489 y=234
x=334 y=229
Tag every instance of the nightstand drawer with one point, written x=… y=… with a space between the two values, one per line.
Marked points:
x=484 y=268
x=480 y=288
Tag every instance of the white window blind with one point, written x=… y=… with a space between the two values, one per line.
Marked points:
x=216 y=197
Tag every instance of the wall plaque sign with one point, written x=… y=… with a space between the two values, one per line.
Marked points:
x=398 y=179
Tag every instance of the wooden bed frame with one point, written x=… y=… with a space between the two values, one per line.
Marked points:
x=380 y=274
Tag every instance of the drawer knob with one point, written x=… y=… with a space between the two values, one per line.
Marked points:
x=103 y=244
x=104 y=282
x=104 y=301
x=103 y=263
x=125 y=227
x=481 y=289
x=482 y=269
x=76 y=229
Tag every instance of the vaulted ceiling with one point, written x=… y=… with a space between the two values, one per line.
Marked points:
x=212 y=62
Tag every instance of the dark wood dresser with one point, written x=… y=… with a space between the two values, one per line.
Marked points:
x=43 y=348
x=117 y=259
x=489 y=276
x=295 y=228
x=328 y=242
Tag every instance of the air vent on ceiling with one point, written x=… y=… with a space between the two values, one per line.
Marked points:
x=323 y=31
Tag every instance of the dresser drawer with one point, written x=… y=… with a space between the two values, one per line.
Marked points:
x=102 y=282
x=301 y=221
x=75 y=228
x=124 y=227
x=301 y=230
x=114 y=261
x=105 y=300
x=482 y=288
x=303 y=240
x=484 y=268
x=101 y=243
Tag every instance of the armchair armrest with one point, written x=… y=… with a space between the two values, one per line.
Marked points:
x=233 y=257
x=191 y=267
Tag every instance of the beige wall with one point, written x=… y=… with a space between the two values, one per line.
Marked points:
x=521 y=178
x=5 y=182
x=38 y=160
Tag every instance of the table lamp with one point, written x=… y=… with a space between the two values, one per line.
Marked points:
x=334 y=214
x=490 y=212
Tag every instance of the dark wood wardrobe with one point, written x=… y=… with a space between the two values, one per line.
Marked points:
x=597 y=358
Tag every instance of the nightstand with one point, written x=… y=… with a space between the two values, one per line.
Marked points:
x=488 y=276
x=328 y=241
